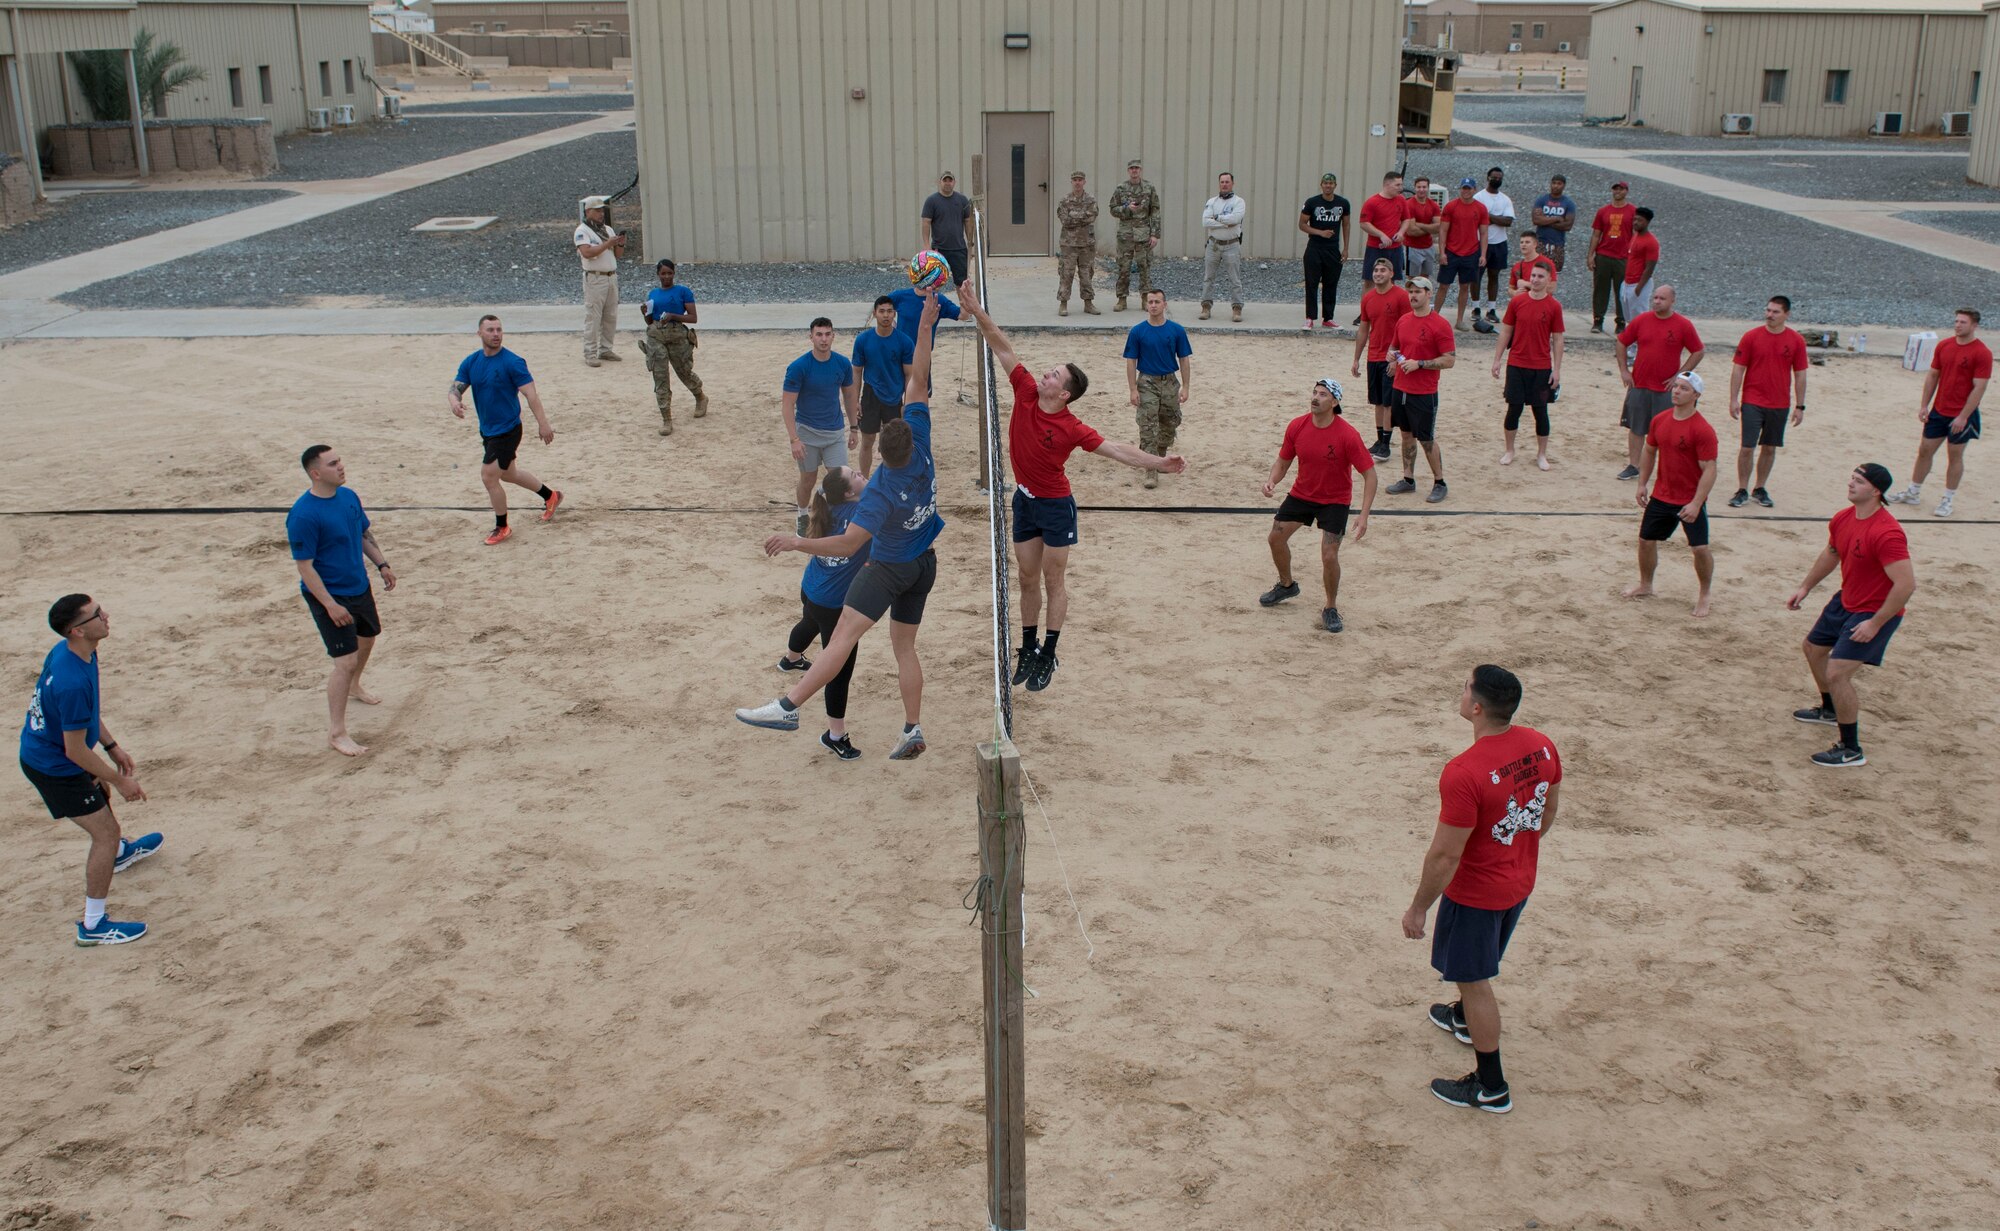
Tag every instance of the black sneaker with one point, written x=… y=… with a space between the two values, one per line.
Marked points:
x=1467 y=1092
x=1329 y=619
x=1816 y=713
x=1481 y=325
x=1403 y=486
x=1451 y=1019
x=1597 y=326
x=1024 y=664
x=1278 y=594
x=1740 y=499
x=1630 y=472
x=1493 y=314
x=1840 y=756
x=1438 y=493
x=1763 y=498
x=786 y=664
x=1045 y=669
x=1379 y=450
x=842 y=747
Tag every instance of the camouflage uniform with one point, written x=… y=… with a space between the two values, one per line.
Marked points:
x=1159 y=413
x=1137 y=209
x=669 y=351
x=1078 y=217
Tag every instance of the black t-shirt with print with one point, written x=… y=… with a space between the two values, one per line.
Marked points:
x=1324 y=215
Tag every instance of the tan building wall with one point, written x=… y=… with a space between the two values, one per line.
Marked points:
x=529 y=14
x=1698 y=65
x=1477 y=27
x=290 y=40
x=752 y=149
x=1984 y=165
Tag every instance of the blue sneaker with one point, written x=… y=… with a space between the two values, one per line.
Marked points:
x=108 y=932
x=131 y=852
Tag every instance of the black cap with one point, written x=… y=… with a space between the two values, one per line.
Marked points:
x=1878 y=475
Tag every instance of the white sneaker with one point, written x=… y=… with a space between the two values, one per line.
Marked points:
x=910 y=746
x=1944 y=507
x=774 y=716
x=1909 y=495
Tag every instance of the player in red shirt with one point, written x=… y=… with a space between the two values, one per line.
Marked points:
x=1757 y=396
x=1949 y=408
x=1424 y=346
x=1382 y=305
x=1462 y=236
x=1531 y=256
x=1329 y=451
x=1041 y=434
x=1686 y=447
x=1382 y=218
x=1642 y=258
x=1867 y=544
x=1531 y=345
x=1420 y=258
x=1497 y=802
x=1658 y=339
x=1610 y=240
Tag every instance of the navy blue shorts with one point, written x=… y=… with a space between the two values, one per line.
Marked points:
x=1468 y=942
x=1939 y=425
x=1836 y=622
x=1458 y=268
x=1369 y=257
x=1052 y=519
x=1496 y=256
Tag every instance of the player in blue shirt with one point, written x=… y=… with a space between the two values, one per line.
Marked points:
x=897 y=519
x=909 y=304
x=330 y=539
x=821 y=408
x=883 y=355
x=60 y=756
x=498 y=379
x=1159 y=372
x=668 y=344
x=822 y=593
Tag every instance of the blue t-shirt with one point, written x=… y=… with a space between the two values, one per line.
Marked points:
x=899 y=505
x=667 y=299
x=1158 y=348
x=910 y=308
x=818 y=385
x=881 y=361
x=496 y=388
x=827 y=577
x=65 y=700
x=327 y=531
x=1554 y=207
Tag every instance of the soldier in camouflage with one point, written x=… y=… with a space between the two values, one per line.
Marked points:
x=1077 y=214
x=669 y=345
x=1136 y=206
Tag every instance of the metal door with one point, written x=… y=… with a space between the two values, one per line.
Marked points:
x=1018 y=206
x=1632 y=110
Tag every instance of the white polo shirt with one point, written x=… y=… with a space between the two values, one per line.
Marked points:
x=605 y=261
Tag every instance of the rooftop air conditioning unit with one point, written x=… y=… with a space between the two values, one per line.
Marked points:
x=1735 y=123
x=343 y=116
x=1888 y=124
x=1513 y=47
x=319 y=119
x=392 y=106
x=1957 y=123
x=1562 y=46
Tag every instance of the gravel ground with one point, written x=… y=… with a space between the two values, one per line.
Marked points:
x=1885 y=177
x=1973 y=224
x=1507 y=107
x=554 y=102
x=1559 y=117
x=93 y=220
x=376 y=147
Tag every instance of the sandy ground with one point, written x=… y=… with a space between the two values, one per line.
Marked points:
x=571 y=948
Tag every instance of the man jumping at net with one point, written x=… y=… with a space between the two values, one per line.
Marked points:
x=1041 y=434
x=897 y=518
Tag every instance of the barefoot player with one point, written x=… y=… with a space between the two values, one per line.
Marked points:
x=1041 y=434
x=60 y=756
x=1329 y=451
x=330 y=538
x=1685 y=446
x=1531 y=350
x=498 y=379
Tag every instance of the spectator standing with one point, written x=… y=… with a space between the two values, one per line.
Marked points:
x=1610 y=240
x=1077 y=214
x=599 y=246
x=1383 y=219
x=945 y=212
x=1328 y=223
x=1642 y=257
x=1136 y=206
x=1420 y=254
x=1552 y=217
x=1499 y=223
x=1222 y=222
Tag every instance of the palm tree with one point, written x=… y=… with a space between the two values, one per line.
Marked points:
x=161 y=67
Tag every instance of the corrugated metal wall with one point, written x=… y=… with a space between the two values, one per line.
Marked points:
x=44 y=33
x=219 y=37
x=532 y=14
x=1669 y=52
x=1984 y=166
x=752 y=150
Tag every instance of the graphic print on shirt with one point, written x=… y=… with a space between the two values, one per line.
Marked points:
x=36 y=722
x=1522 y=816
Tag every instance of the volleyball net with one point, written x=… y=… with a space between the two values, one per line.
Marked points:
x=992 y=481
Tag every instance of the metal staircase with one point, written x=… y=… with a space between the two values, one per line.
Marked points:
x=427 y=44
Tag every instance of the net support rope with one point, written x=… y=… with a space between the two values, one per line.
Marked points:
x=996 y=505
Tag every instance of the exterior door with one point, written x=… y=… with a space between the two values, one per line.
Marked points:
x=1018 y=206
x=1632 y=110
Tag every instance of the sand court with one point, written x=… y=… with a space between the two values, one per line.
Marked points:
x=572 y=948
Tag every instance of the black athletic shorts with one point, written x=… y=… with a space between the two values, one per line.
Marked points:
x=1415 y=413
x=1467 y=943
x=876 y=410
x=342 y=640
x=68 y=795
x=1763 y=425
x=1527 y=386
x=1381 y=383
x=1662 y=516
x=896 y=590
x=1938 y=426
x=1331 y=518
x=502 y=448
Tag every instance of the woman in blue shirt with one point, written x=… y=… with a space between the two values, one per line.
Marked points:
x=822 y=593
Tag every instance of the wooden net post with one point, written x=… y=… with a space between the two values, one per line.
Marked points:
x=1002 y=849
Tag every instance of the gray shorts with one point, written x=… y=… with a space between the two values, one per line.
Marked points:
x=1420 y=262
x=823 y=449
x=1641 y=405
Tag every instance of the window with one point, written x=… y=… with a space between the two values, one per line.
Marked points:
x=1836 y=87
x=1975 y=89
x=1019 y=166
x=1541 y=31
x=264 y=83
x=326 y=79
x=236 y=87
x=1514 y=29
x=1774 y=86
x=347 y=71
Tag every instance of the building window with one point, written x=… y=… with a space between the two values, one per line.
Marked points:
x=1774 y=86
x=1514 y=29
x=264 y=84
x=1541 y=31
x=236 y=87
x=1019 y=166
x=1836 y=87
x=347 y=71
x=326 y=79
x=1975 y=89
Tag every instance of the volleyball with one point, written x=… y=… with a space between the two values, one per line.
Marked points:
x=929 y=270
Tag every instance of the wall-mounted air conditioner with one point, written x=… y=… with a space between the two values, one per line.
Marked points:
x=1739 y=123
x=1957 y=124
x=1888 y=124
x=343 y=116
x=1562 y=46
x=392 y=106
x=319 y=119
x=1513 y=47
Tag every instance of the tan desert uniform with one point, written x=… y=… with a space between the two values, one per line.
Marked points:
x=600 y=293
x=1137 y=209
x=1077 y=213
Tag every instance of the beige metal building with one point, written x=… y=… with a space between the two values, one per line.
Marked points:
x=1796 y=68
x=36 y=37
x=1502 y=27
x=504 y=16
x=790 y=130
x=1984 y=165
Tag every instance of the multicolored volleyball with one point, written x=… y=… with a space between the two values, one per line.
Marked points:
x=929 y=271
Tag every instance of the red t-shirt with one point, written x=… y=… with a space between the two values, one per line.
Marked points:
x=1614 y=229
x=1328 y=457
x=1518 y=273
x=1660 y=345
x=1384 y=214
x=1767 y=360
x=1382 y=309
x=1498 y=788
x=1422 y=337
x=1424 y=210
x=1683 y=444
x=1464 y=226
x=1644 y=248
x=1535 y=323
x=1957 y=367
x=1864 y=545
x=1040 y=444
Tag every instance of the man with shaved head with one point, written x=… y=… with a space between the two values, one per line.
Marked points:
x=1650 y=353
